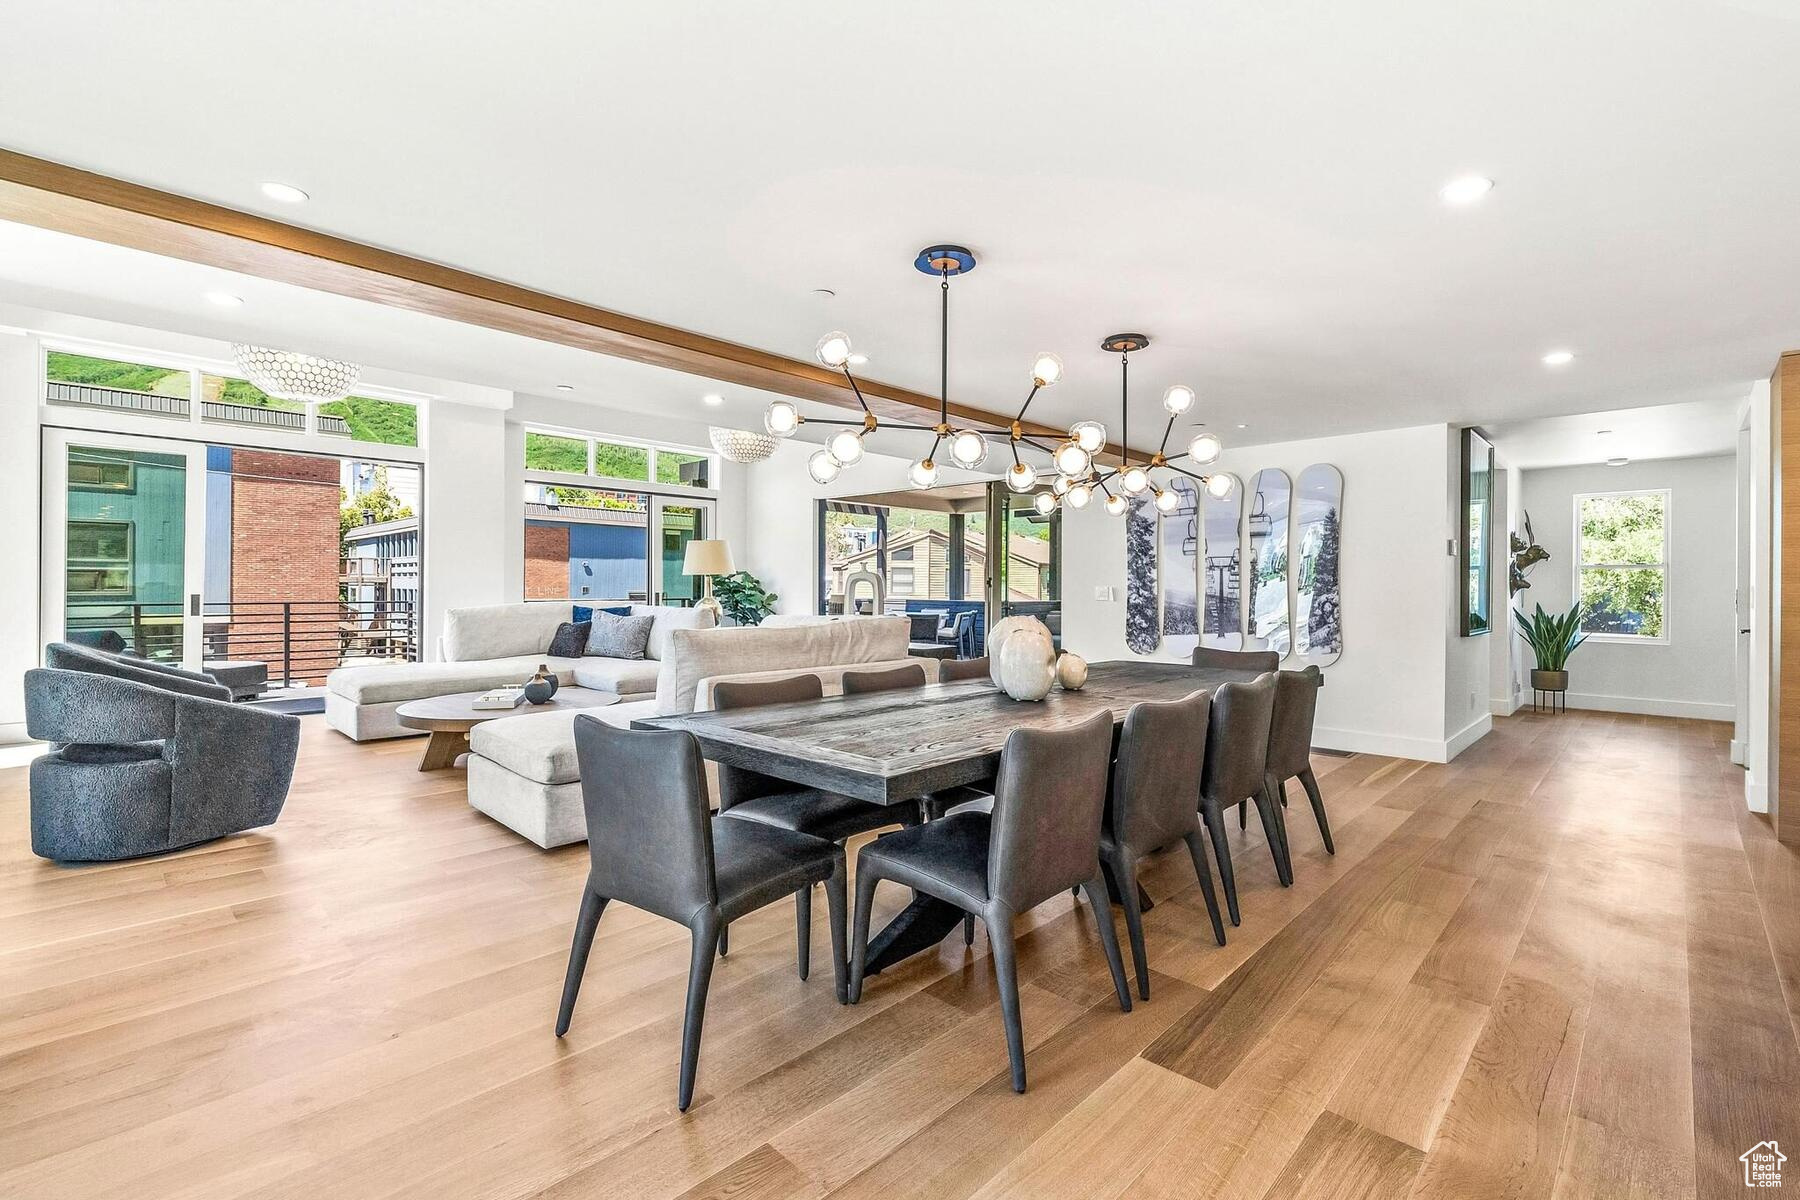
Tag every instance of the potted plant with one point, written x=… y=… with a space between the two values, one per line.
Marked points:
x=742 y=597
x=1553 y=639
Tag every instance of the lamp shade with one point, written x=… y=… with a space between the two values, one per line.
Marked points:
x=707 y=558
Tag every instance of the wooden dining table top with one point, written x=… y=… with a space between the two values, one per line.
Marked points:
x=892 y=747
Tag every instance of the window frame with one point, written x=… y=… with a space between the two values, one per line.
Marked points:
x=1578 y=564
x=613 y=483
x=95 y=563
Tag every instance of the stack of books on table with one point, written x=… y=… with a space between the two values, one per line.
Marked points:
x=500 y=698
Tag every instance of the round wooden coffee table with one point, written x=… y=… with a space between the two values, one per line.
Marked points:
x=449 y=718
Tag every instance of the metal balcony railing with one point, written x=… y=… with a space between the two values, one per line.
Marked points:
x=178 y=406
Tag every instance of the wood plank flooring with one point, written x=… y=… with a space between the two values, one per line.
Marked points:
x=1562 y=966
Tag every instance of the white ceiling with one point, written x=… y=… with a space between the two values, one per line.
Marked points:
x=1667 y=431
x=1252 y=183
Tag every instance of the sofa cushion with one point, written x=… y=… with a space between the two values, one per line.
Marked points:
x=570 y=640
x=619 y=637
x=502 y=630
x=669 y=618
x=698 y=654
x=623 y=676
x=389 y=683
x=537 y=746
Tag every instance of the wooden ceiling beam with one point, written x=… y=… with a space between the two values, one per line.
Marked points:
x=48 y=195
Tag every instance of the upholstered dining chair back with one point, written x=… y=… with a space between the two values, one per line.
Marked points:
x=1237 y=660
x=953 y=670
x=1157 y=773
x=1051 y=789
x=1291 y=727
x=857 y=683
x=1237 y=742
x=649 y=834
x=738 y=784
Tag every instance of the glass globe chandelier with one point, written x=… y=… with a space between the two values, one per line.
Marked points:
x=1073 y=468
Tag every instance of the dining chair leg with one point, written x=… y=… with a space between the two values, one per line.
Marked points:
x=1243 y=816
x=1215 y=828
x=1197 y=852
x=724 y=941
x=803 y=930
x=834 y=910
x=859 y=934
x=1122 y=872
x=968 y=929
x=706 y=930
x=1274 y=835
x=1318 y=806
x=1006 y=979
x=1281 y=791
x=586 y=922
x=1109 y=937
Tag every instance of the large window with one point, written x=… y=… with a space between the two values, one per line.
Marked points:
x=577 y=454
x=1622 y=564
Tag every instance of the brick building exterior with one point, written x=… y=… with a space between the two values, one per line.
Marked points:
x=284 y=547
x=546 y=561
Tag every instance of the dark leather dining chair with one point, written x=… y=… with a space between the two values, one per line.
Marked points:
x=955 y=670
x=1290 y=744
x=1237 y=660
x=652 y=845
x=747 y=795
x=1237 y=752
x=1151 y=805
x=1042 y=838
x=858 y=683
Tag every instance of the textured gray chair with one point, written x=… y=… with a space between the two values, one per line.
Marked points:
x=859 y=683
x=66 y=656
x=1042 y=838
x=1151 y=805
x=1290 y=744
x=142 y=768
x=1237 y=660
x=652 y=845
x=747 y=795
x=955 y=670
x=1237 y=752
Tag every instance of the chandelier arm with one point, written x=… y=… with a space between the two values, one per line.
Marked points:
x=916 y=428
x=857 y=390
x=944 y=354
x=1167 y=430
x=1189 y=474
x=1169 y=458
x=931 y=455
x=1038 y=446
x=1124 y=410
x=1028 y=399
x=833 y=421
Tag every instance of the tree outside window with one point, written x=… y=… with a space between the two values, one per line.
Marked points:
x=1622 y=561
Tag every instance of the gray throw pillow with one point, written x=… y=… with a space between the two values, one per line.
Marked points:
x=619 y=637
x=571 y=640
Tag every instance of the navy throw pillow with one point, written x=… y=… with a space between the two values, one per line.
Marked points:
x=584 y=613
x=571 y=639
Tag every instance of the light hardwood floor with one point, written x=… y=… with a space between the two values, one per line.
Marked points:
x=1566 y=965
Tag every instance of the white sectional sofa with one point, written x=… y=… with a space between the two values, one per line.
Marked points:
x=522 y=770
x=490 y=647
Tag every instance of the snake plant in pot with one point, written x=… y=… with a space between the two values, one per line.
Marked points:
x=1553 y=638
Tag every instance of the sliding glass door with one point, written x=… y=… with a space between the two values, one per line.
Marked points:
x=602 y=545
x=124 y=543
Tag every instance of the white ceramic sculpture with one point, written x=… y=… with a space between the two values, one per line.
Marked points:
x=1022 y=658
x=1071 y=672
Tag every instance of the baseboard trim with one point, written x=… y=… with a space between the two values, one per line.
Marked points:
x=1756 y=795
x=20 y=754
x=1433 y=750
x=1502 y=706
x=1651 y=707
x=1738 y=750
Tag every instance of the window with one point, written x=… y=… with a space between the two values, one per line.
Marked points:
x=575 y=454
x=99 y=558
x=900 y=581
x=110 y=383
x=547 y=452
x=366 y=419
x=101 y=475
x=1622 y=563
x=904 y=555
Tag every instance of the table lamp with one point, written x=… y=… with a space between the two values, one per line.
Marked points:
x=708 y=558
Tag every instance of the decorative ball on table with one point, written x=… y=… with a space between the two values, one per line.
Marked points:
x=1022 y=658
x=1071 y=671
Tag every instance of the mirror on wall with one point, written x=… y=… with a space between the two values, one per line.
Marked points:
x=1475 y=531
x=1221 y=574
x=1181 y=571
x=1318 y=532
x=1266 y=591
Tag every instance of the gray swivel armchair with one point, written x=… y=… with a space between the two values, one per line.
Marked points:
x=1161 y=752
x=652 y=845
x=1042 y=838
x=144 y=767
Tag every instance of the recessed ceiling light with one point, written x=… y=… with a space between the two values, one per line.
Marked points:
x=1617 y=462
x=825 y=292
x=287 y=193
x=1466 y=190
x=565 y=387
x=1243 y=427
x=712 y=399
x=1559 y=358
x=225 y=299
x=1602 y=432
x=857 y=360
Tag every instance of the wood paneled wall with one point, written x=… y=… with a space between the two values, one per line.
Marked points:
x=1784 y=686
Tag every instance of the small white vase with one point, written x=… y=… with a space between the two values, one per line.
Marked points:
x=1022 y=658
x=1071 y=672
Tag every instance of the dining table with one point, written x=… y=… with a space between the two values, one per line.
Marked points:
x=895 y=747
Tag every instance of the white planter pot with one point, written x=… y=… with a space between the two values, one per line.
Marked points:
x=1022 y=658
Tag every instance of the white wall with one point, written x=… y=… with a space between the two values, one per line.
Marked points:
x=19 y=523
x=1386 y=693
x=1758 y=778
x=1506 y=652
x=1692 y=674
